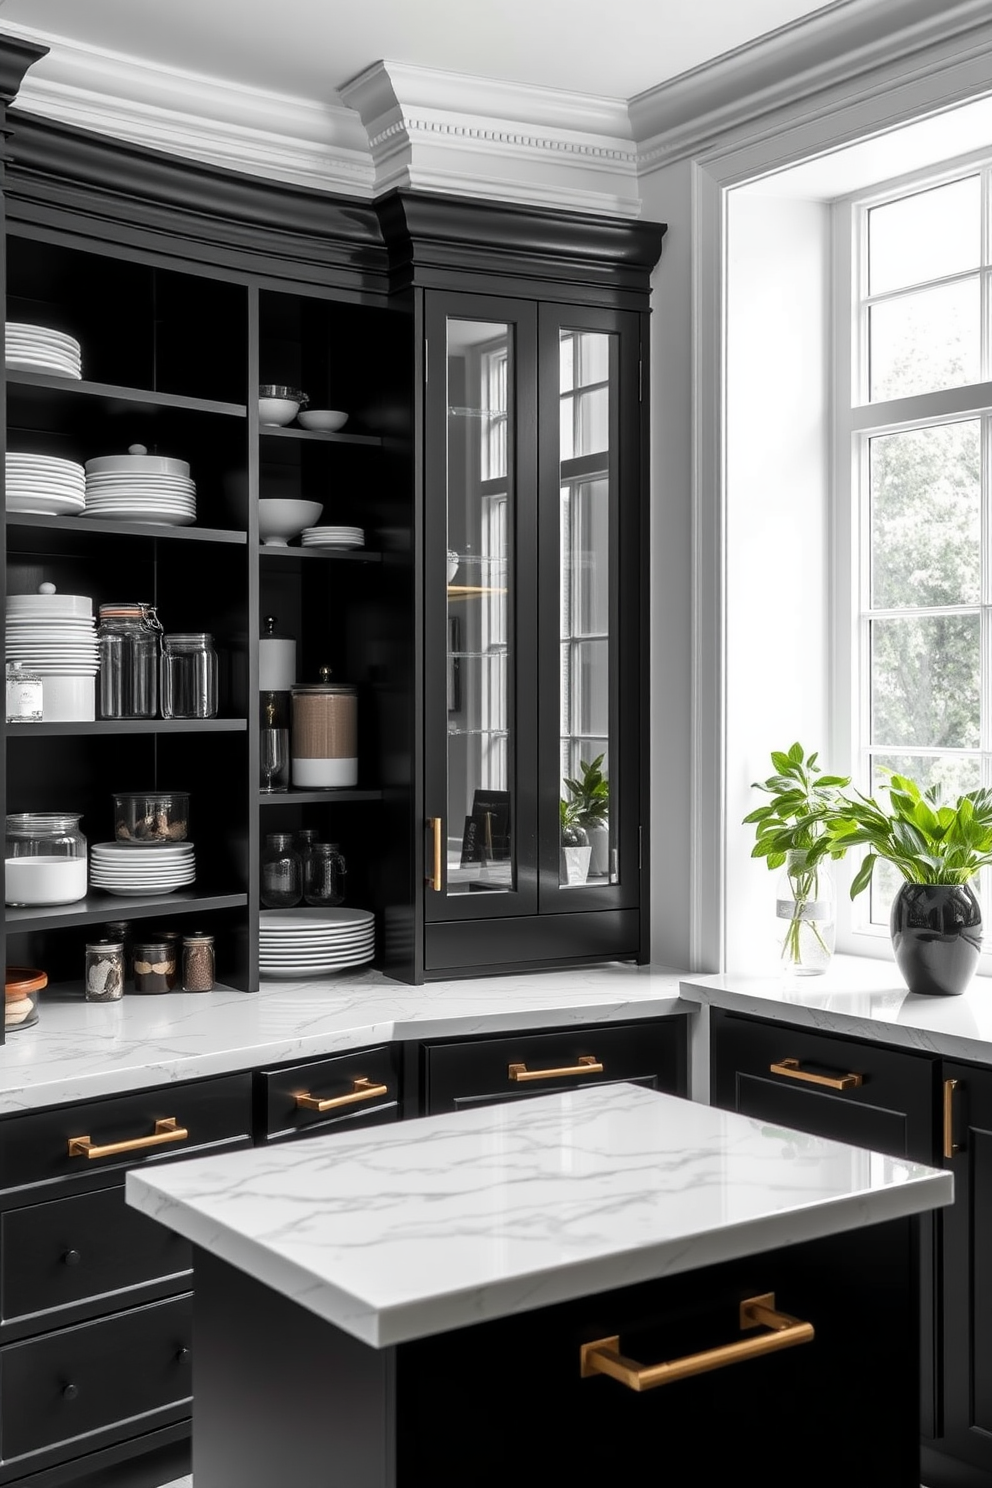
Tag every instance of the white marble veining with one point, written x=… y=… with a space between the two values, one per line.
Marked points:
x=403 y=1231
x=79 y=1050
x=861 y=998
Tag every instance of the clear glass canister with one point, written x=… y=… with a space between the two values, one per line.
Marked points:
x=323 y=874
x=45 y=859
x=198 y=963
x=189 y=676
x=104 y=975
x=128 y=636
x=281 y=872
x=325 y=736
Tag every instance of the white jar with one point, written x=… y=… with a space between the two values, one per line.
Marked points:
x=45 y=859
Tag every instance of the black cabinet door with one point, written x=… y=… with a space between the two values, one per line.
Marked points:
x=967 y=1268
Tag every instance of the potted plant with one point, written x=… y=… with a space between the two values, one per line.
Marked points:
x=575 y=849
x=589 y=793
x=935 y=920
x=792 y=833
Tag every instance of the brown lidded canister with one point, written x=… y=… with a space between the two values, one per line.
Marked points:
x=325 y=735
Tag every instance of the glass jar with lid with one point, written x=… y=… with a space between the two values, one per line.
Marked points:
x=45 y=858
x=325 y=734
x=189 y=676
x=128 y=637
x=281 y=872
x=104 y=971
x=324 y=874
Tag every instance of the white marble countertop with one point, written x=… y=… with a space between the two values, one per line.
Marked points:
x=862 y=998
x=79 y=1050
x=405 y=1231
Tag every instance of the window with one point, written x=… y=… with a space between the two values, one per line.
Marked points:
x=917 y=412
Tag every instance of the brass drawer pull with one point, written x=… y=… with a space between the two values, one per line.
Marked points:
x=166 y=1130
x=587 y=1065
x=791 y=1068
x=362 y=1090
x=604 y=1356
x=435 y=880
x=951 y=1148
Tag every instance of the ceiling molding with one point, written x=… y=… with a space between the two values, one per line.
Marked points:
x=843 y=49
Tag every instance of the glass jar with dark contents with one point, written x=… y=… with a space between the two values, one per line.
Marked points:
x=155 y=965
x=198 y=962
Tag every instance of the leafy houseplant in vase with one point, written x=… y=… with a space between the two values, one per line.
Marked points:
x=575 y=849
x=936 y=919
x=589 y=794
x=792 y=835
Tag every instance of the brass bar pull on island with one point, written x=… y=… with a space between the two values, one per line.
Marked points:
x=362 y=1090
x=435 y=879
x=604 y=1356
x=166 y=1130
x=587 y=1065
x=790 y=1067
x=951 y=1148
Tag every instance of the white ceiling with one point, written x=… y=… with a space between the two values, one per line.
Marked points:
x=310 y=48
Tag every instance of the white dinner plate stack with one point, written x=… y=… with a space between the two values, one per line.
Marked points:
x=31 y=348
x=308 y=942
x=332 y=537
x=138 y=487
x=54 y=635
x=46 y=485
x=146 y=868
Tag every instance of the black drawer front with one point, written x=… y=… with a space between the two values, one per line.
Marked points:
x=652 y=1052
x=72 y=1249
x=82 y=1379
x=365 y=1081
x=35 y=1148
x=891 y=1110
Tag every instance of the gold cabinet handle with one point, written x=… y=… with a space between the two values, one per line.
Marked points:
x=166 y=1130
x=587 y=1065
x=791 y=1068
x=951 y=1148
x=362 y=1090
x=434 y=880
x=604 y=1356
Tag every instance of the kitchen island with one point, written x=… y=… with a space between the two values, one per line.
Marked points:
x=579 y=1282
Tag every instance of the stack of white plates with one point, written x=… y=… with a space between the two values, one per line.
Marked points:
x=46 y=485
x=31 y=348
x=145 y=868
x=332 y=537
x=305 y=943
x=139 y=487
x=54 y=635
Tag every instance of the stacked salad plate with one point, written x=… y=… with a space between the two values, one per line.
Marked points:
x=304 y=943
x=139 y=487
x=46 y=485
x=142 y=868
x=54 y=636
x=332 y=537
x=31 y=348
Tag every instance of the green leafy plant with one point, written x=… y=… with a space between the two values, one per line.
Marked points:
x=589 y=793
x=927 y=842
x=573 y=833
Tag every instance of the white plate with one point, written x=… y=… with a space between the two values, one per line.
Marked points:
x=30 y=328
x=61 y=480
x=18 y=364
x=328 y=948
x=132 y=498
x=44 y=356
x=42 y=506
x=44 y=670
x=28 y=460
x=111 y=881
x=303 y=973
x=133 y=891
x=310 y=919
x=163 y=519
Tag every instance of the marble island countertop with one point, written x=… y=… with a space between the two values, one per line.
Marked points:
x=79 y=1050
x=402 y=1232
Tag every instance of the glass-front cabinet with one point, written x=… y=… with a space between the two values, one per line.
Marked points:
x=533 y=634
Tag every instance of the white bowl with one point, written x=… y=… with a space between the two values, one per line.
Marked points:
x=277 y=410
x=278 y=521
x=328 y=419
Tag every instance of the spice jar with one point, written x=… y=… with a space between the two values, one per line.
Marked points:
x=154 y=965
x=325 y=735
x=189 y=676
x=45 y=858
x=198 y=963
x=281 y=872
x=128 y=636
x=24 y=694
x=323 y=874
x=104 y=976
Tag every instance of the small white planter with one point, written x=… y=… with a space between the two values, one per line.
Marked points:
x=599 y=842
x=575 y=864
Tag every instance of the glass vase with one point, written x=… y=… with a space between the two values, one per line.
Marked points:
x=804 y=907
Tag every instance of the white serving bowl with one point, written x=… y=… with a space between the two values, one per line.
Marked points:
x=277 y=410
x=278 y=521
x=327 y=419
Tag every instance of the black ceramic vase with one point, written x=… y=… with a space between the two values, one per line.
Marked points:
x=937 y=936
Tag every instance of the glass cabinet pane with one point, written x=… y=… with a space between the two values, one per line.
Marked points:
x=586 y=472
x=480 y=521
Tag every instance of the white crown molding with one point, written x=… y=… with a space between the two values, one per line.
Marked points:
x=818 y=63
x=202 y=118
x=444 y=131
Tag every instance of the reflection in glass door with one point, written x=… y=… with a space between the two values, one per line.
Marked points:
x=480 y=850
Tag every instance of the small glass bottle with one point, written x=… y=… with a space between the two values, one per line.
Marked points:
x=281 y=872
x=25 y=691
x=323 y=875
x=154 y=966
x=189 y=676
x=198 y=963
x=104 y=976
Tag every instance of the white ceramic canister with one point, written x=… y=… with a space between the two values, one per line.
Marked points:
x=325 y=736
x=276 y=660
